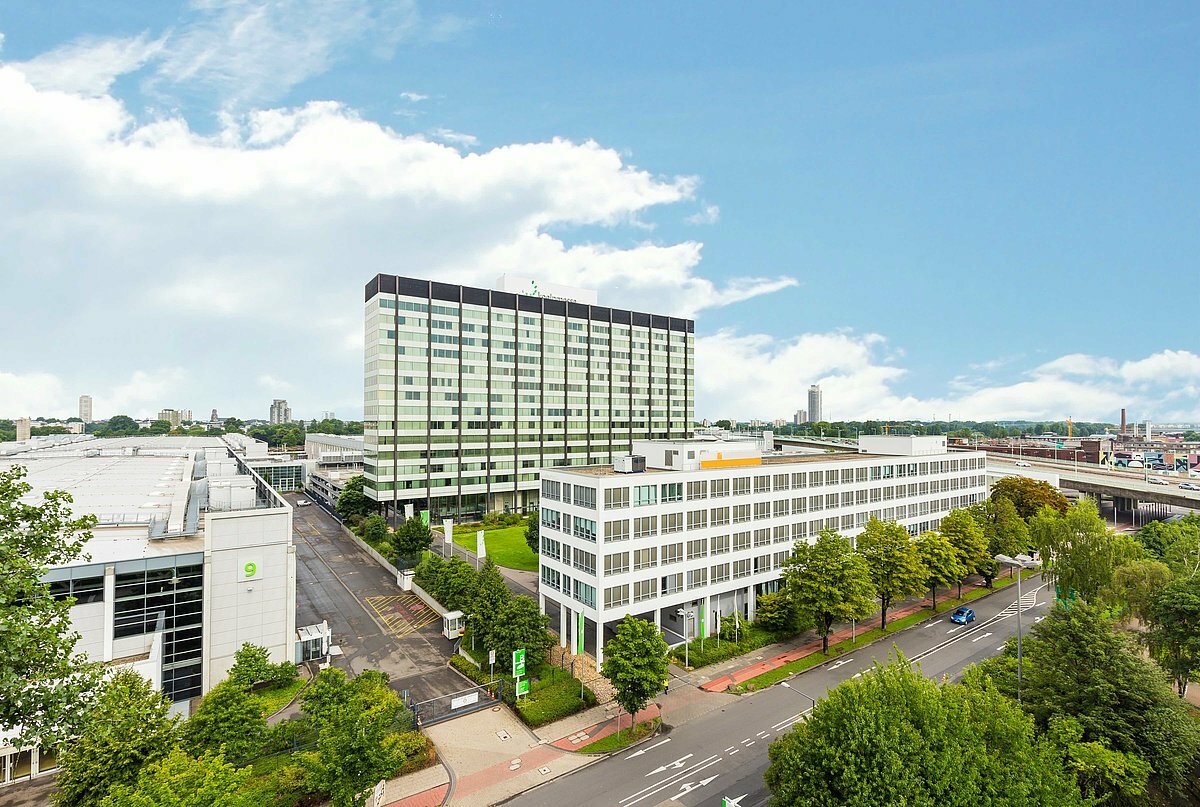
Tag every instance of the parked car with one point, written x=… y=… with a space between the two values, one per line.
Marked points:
x=1188 y=486
x=1154 y=480
x=962 y=616
x=1022 y=464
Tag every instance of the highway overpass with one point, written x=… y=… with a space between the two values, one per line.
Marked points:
x=1126 y=489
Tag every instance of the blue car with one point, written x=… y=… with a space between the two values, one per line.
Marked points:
x=962 y=616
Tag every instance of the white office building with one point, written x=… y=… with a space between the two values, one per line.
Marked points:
x=280 y=412
x=85 y=408
x=470 y=391
x=706 y=525
x=816 y=411
x=191 y=557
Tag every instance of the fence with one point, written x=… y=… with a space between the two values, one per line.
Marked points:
x=456 y=704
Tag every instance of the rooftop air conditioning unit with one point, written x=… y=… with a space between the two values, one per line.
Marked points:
x=631 y=464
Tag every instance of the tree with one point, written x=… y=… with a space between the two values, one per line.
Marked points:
x=234 y=424
x=411 y=539
x=519 y=625
x=1029 y=495
x=42 y=680
x=229 y=721
x=119 y=426
x=532 y=534
x=179 y=780
x=969 y=542
x=1135 y=586
x=777 y=613
x=127 y=727
x=1101 y=772
x=352 y=501
x=895 y=737
x=893 y=561
x=942 y=566
x=1079 y=551
x=1175 y=632
x=829 y=582
x=375 y=530
x=1077 y=665
x=635 y=662
x=252 y=665
x=488 y=603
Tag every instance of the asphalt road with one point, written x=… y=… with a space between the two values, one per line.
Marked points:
x=334 y=578
x=724 y=753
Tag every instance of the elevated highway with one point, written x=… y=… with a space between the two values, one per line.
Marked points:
x=1125 y=488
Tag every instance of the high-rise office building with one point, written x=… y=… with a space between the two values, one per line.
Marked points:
x=469 y=391
x=213 y=418
x=170 y=415
x=85 y=408
x=327 y=416
x=280 y=411
x=185 y=414
x=815 y=415
x=801 y=416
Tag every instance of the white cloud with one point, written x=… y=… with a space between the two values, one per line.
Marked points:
x=710 y=214
x=754 y=375
x=274 y=385
x=32 y=394
x=90 y=65
x=414 y=97
x=455 y=138
x=144 y=394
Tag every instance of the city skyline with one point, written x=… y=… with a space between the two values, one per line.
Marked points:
x=921 y=223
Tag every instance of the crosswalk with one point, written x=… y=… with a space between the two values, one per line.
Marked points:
x=402 y=614
x=1027 y=601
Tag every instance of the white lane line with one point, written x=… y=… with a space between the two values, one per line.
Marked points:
x=984 y=636
x=641 y=751
x=734 y=751
x=730 y=748
x=676 y=764
x=653 y=787
x=750 y=743
x=789 y=721
x=762 y=734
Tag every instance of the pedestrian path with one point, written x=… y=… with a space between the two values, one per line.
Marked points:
x=590 y=734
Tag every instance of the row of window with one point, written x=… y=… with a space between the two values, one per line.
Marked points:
x=642 y=590
x=578 y=589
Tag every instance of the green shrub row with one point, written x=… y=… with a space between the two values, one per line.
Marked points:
x=553 y=694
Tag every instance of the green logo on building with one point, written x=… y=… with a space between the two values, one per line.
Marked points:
x=251 y=569
x=533 y=289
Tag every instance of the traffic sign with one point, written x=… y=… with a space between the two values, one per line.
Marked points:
x=522 y=687
x=491 y=657
x=518 y=663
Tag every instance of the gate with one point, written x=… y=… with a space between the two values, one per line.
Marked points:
x=456 y=704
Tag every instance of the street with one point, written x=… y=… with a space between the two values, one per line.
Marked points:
x=724 y=753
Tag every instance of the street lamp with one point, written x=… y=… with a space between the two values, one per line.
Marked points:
x=786 y=685
x=686 y=616
x=1021 y=562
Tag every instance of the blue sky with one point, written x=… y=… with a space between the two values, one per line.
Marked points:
x=933 y=210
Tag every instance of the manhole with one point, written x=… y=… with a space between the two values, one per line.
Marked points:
x=502 y=734
x=544 y=771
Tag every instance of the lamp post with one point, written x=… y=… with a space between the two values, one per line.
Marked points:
x=686 y=616
x=1021 y=562
x=786 y=685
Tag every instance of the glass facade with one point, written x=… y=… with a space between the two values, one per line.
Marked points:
x=165 y=594
x=468 y=392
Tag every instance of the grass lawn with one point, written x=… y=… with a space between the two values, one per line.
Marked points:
x=506 y=545
x=614 y=742
x=275 y=698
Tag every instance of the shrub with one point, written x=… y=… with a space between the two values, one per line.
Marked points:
x=552 y=699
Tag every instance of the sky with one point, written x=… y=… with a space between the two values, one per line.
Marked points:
x=967 y=211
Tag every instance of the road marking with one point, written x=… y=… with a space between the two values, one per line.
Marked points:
x=857 y=675
x=790 y=720
x=999 y=618
x=839 y=663
x=690 y=786
x=730 y=748
x=676 y=764
x=650 y=790
x=977 y=638
x=748 y=744
x=639 y=752
x=1000 y=649
x=734 y=751
x=762 y=734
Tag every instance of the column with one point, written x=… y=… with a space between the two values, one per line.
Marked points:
x=542 y=603
x=599 y=642
x=658 y=619
x=574 y=632
x=750 y=603
x=562 y=625
x=710 y=616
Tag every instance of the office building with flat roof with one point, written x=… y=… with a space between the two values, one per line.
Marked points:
x=816 y=411
x=469 y=391
x=280 y=412
x=85 y=408
x=705 y=526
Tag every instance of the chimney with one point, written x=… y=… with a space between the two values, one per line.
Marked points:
x=1122 y=420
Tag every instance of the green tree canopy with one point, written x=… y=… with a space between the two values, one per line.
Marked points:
x=127 y=727
x=1175 y=633
x=1029 y=495
x=252 y=665
x=777 y=613
x=42 y=680
x=829 y=582
x=491 y=597
x=179 y=780
x=893 y=561
x=532 y=534
x=411 y=539
x=1102 y=773
x=1135 y=586
x=229 y=721
x=635 y=662
x=895 y=737
x=969 y=542
x=375 y=530
x=1005 y=531
x=942 y=566
x=352 y=501
x=1079 y=551
x=520 y=625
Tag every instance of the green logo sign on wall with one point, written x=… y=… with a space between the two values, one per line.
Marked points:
x=251 y=569
x=518 y=662
x=522 y=687
x=425 y=517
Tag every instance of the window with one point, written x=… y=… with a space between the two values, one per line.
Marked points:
x=814 y=479
x=762 y=564
x=719 y=487
x=617 y=595
x=645 y=590
x=799 y=531
x=645 y=495
x=860 y=474
x=697 y=548
x=584 y=561
x=741 y=540
x=831 y=477
x=815 y=503
x=762 y=510
x=847 y=476
x=585 y=594
x=616 y=530
x=798 y=479
x=672 y=583
x=672 y=553
x=697 y=519
x=644 y=526
x=720 y=572
x=552 y=578
x=585 y=529
x=720 y=515
x=781 y=559
x=780 y=482
x=720 y=544
x=697 y=578
x=781 y=507
x=781 y=533
x=645 y=558
x=672 y=522
x=551 y=489
x=551 y=548
x=741 y=568
x=762 y=484
x=741 y=512
x=616 y=498
x=697 y=490
x=741 y=486
x=799 y=504
x=762 y=537
x=84 y=583
x=551 y=519
x=672 y=492
x=831 y=500
x=616 y=563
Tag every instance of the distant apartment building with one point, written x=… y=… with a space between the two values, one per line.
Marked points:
x=172 y=416
x=801 y=416
x=280 y=411
x=85 y=408
x=469 y=391
x=815 y=411
x=23 y=427
x=707 y=525
x=185 y=414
